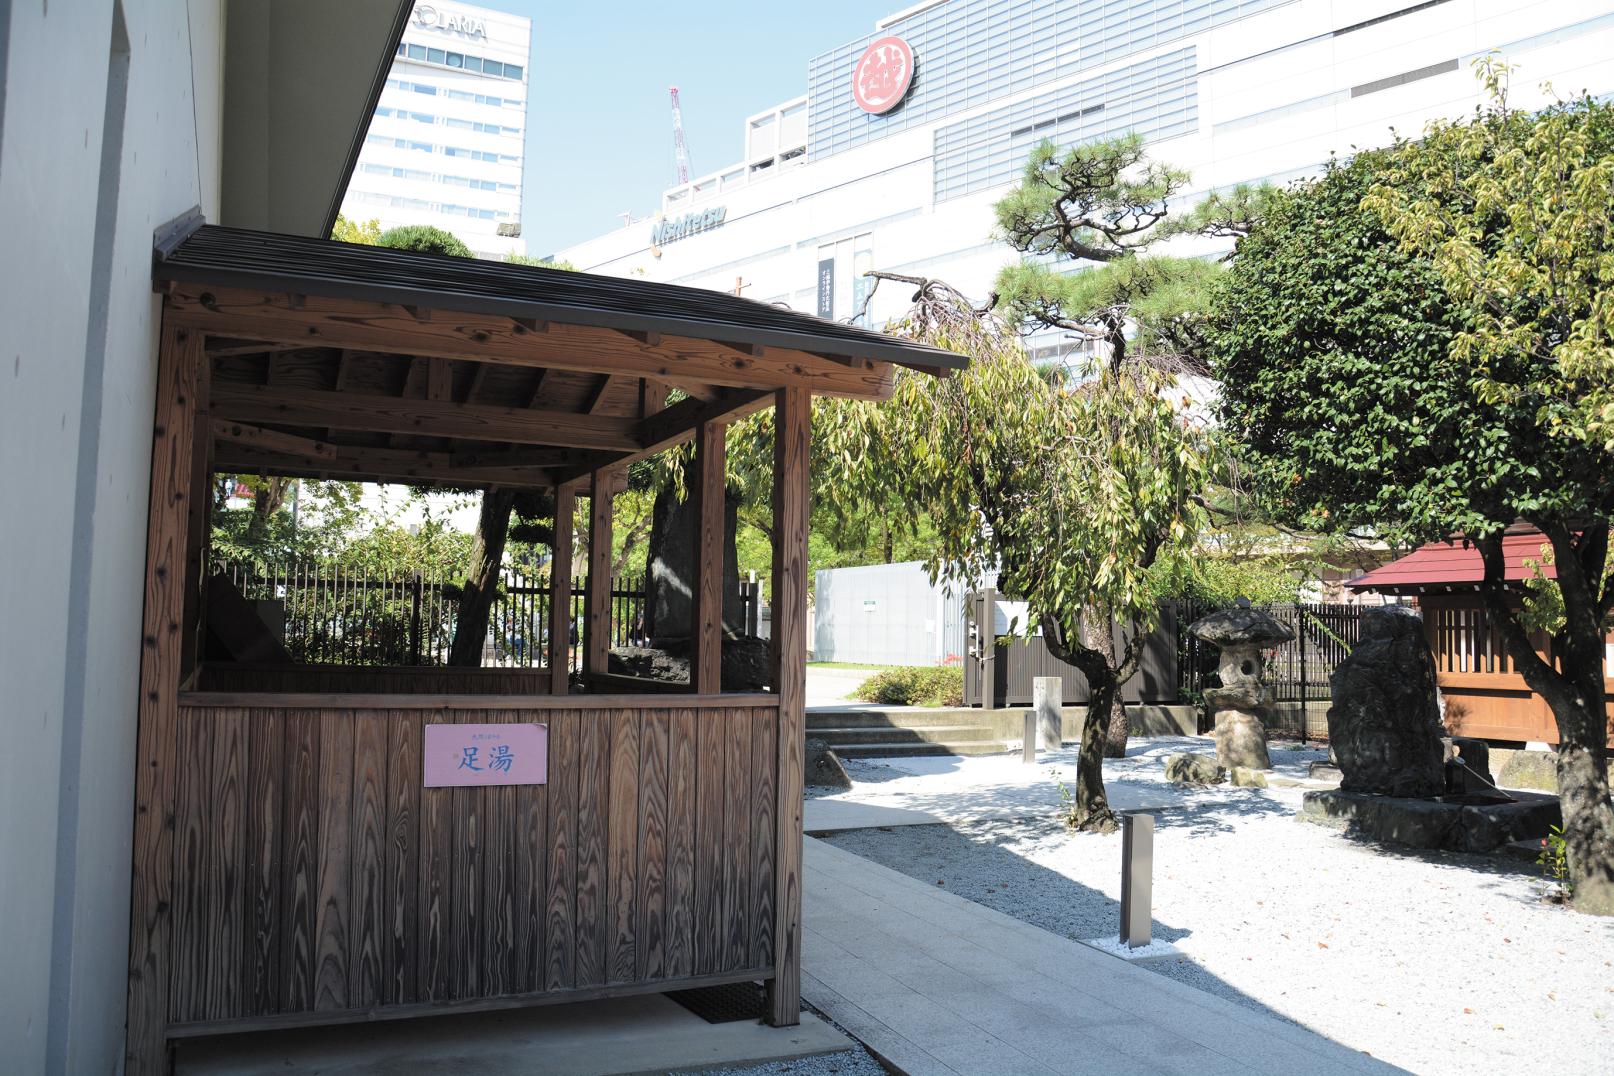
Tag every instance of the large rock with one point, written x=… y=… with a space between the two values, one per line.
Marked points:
x=1187 y=768
x=744 y=668
x=1384 y=725
x=1241 y=740
x=823 y=767
x=670 y=569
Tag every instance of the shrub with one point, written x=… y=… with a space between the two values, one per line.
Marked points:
x=935 y=685
x=423 y=237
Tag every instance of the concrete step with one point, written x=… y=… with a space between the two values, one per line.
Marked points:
x=914 y=734
x=880 y=750
x=882 y=719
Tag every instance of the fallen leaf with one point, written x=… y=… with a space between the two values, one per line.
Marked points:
x=1322 y=945
x=1469 y=1011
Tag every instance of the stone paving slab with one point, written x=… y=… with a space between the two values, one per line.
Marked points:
x=826 y=815
x=940 y=985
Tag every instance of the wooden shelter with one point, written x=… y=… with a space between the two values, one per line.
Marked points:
x=1486 y=696
x=289 y=866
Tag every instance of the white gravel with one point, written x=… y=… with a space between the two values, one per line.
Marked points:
x=1435 y=962
x=845 y=1063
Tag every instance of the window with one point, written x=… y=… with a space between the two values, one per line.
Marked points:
x=492 y=67
x=456 y=59
x=417 y=52
x=436 y=56
x=512 y=71
x=473 y=63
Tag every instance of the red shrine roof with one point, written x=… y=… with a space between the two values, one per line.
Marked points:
x=1455 y=564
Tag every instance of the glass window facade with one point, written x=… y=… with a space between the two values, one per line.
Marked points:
x=969 y=52
x=1157 y=99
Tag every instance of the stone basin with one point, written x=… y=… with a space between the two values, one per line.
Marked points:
x=1470 y=822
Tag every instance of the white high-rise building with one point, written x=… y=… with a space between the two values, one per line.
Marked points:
x=447 y=142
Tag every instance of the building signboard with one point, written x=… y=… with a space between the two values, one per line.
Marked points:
x=826 y=288
x=433 y=18
x=882 y=76
x=687 y=225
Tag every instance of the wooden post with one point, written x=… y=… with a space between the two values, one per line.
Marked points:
x=986 y=632
x=706 y=656
x=199 y=522
x=162 y=648
x=792 y=418
x=560 y=594
x=597 y=599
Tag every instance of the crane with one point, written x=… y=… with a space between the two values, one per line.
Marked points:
x=680 y=151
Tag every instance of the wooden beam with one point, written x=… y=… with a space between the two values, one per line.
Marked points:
x=180 y=358
x=560 y=604
x=479 y=376
x=429 y=418
x=597 y=394
x=538 y=388
x=375 y=326
x=198 y=523
x=225 y=350
x=492 y=456
x=439 y=379
x=677 y=424
x=379 y=464
x=242 y=433
x=754 y=350
x=792 y=424
x=706 y=653
x=597 y=602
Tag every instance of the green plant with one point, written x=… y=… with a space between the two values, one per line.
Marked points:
x=425 y=238
x=1068 y=813
x=1553 y=859
x=936 y=685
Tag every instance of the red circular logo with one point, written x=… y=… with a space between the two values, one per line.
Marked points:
x=883 y=75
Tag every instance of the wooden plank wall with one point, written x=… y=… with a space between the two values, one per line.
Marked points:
x=378 y=680
x=314 y=875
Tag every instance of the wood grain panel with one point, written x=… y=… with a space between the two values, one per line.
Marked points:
x=592 y=923
x=710 y=757
x=682 y=748
x=333 y=935
x=226 y=862
x=435 y=909
x=650 y=930
x=369 y=926
x=300 y=865
x=622 y=847
x=764 y=766
x=465 y=925
x=737 y=824
x=531 y=902
x=560 y=902
x=191 y=835
x=398 y=963
x=498 y=882
x=260 y=926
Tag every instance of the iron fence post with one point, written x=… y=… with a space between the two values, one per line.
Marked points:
x=414 y=618
x=1305 y=683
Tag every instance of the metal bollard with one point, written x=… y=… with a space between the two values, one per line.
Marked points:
x=1137 y=878
x=1030 y=756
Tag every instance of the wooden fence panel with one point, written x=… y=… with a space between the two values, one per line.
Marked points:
x=315 y=877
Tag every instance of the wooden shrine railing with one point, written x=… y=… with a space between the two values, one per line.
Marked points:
x=315 y=879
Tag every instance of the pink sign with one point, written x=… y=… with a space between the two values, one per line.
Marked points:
x=515 y=754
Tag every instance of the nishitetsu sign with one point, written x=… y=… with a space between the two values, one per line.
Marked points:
x=504 y=754
x=687 y=225
x=882 y=76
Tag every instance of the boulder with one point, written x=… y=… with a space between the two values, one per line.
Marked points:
x=1530 y=769
x=1384 y=725
x=1244 y=777
x=1241 y=740
x=823 y=766
x=744 y=663
x=1186 y=768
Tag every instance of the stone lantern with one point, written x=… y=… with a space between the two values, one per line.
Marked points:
x=1244 y=698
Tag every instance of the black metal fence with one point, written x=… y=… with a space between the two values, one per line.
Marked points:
x=332 y=615
x=1174 y=666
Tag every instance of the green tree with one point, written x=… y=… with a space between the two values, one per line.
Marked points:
x=1073 y=492
x=1410 y=344
x=1106 y=203
x=366 y=232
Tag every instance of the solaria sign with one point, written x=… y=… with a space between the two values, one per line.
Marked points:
x=683 y=227
x=431 y=18
x=882 y=76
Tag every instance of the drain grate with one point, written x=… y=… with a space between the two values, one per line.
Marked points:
x=724 y=1004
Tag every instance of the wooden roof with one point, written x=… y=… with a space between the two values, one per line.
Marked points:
x=329 y=359
x=1455 y=565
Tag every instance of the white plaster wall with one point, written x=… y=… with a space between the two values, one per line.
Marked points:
x=68 y=685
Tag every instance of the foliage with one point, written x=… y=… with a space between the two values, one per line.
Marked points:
x=1217 y=580
x=1553 y=859
x=543 y=263
x=1417 y=342
x=366 y=232
x=913 y=685
x=426 y=239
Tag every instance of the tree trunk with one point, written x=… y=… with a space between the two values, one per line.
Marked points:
x=482 y=581
x=1098 y=632
x=266 y=501
x=1573 y=688
x=1091 y=813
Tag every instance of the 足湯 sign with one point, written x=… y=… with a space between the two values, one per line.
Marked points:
x=459 y=755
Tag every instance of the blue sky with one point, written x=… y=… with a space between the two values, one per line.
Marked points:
x=599 y=127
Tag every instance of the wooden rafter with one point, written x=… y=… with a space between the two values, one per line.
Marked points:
x=597 y=394
x=428 y=418
x=378 y=326
x=355 y=463
x=242 y=433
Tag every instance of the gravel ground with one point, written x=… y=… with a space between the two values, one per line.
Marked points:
x=1435 y=962
x=846 y=1063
